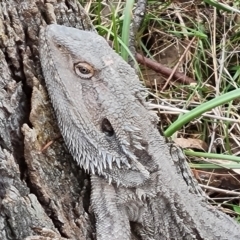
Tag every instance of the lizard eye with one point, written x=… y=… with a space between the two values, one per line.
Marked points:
x=84 y=70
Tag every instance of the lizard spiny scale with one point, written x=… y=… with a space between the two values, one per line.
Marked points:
x=128 y=128
x=80 y=130
x=146 y=187
x=118 y=162
x=109 y=160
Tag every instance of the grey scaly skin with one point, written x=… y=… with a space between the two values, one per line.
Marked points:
x=106 y=124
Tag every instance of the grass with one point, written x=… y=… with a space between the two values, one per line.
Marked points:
x=201 y=39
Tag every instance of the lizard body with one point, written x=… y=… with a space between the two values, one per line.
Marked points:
x=141 y=186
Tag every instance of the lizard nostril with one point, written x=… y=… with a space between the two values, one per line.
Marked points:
x=107 y=127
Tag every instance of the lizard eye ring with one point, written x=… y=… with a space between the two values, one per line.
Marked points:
x=84 y=70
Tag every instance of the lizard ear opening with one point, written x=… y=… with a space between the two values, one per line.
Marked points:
x=107 y=128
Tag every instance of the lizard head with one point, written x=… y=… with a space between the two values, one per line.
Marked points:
x=99 y=104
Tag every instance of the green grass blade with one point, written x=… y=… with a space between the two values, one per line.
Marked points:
x=114 y=27
x=227 y=97
x=213 y=166
x=221 y=6
x=214 y=156
x=126 y=28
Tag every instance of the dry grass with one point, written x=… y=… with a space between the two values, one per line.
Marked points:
x=202 y=42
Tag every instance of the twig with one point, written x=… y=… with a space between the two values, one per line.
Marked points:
x=47 y=145
x=159 y=68
x=220 y=190
x=176 y=66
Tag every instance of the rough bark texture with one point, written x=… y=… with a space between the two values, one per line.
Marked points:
x=41 y=192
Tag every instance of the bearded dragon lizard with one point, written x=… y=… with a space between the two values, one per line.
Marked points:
x=141 y=189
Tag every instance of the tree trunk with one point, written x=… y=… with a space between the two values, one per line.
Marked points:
x=42 y=192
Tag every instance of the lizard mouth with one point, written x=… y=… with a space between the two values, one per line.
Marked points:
x=107 y=128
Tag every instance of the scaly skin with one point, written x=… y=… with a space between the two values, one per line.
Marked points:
x=136 y=176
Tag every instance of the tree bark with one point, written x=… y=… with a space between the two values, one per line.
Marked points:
x=43 y=194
